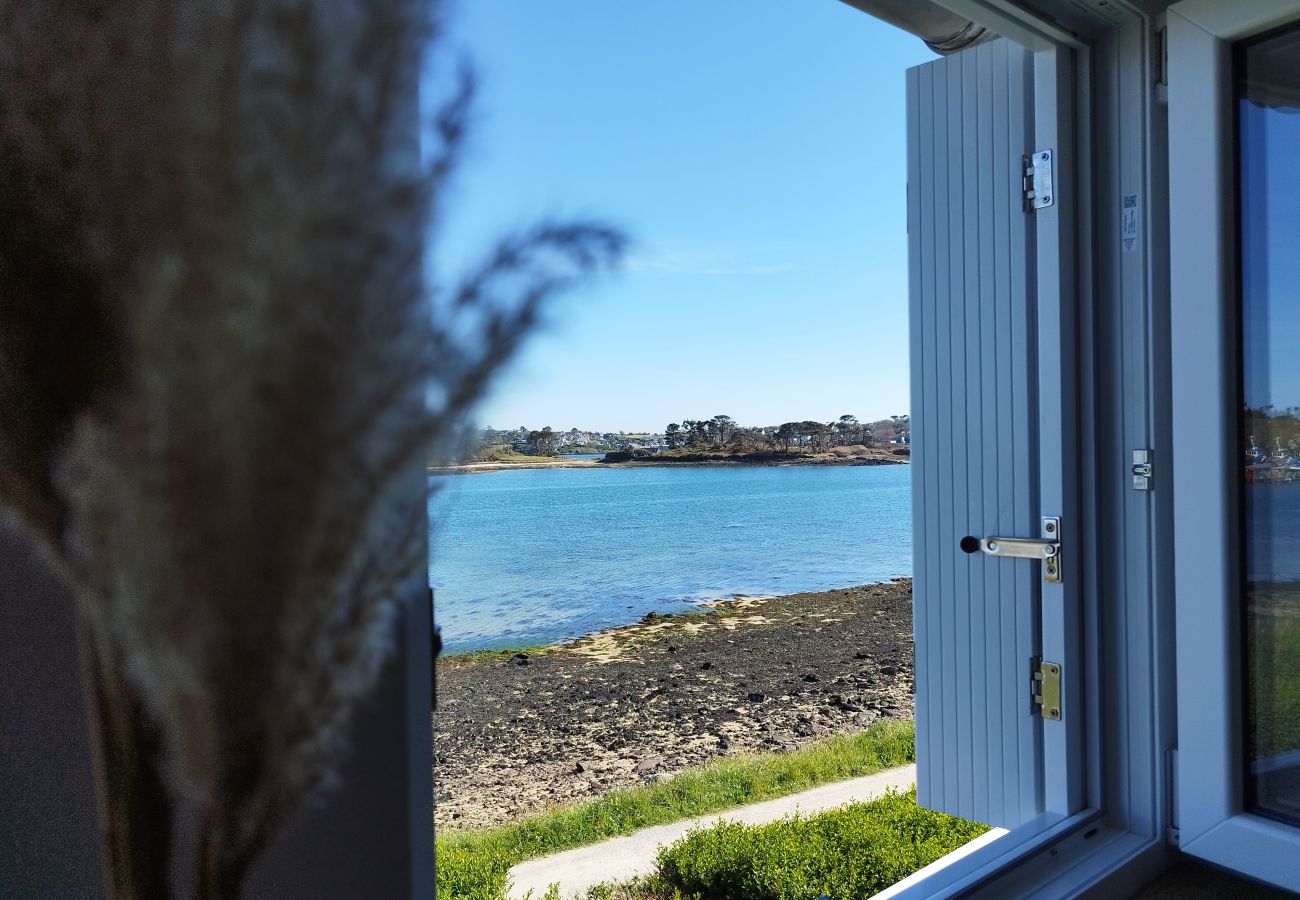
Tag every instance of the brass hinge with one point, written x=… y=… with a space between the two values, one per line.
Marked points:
x=1044 y=688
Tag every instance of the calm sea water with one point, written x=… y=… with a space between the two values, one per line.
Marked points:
x=535 y=556
x=1273 y=532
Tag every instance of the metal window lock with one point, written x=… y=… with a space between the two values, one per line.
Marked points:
x=1047 y=548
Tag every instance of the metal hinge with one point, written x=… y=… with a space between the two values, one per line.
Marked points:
x=1037 y=180
x=1142 y=470
x=1044 y=688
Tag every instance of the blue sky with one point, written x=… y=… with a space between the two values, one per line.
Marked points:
x=1271 y=234
x=754 y=151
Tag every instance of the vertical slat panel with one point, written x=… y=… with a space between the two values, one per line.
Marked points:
x=973 y=438
x=1001 y=227
x=960 y=458
x=918 y=191
x=973 y=88
x=944 y=315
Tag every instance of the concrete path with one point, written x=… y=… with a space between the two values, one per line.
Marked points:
x=627 y=857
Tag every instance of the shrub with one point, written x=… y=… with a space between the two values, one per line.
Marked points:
x=470 y=872
x=847 y=853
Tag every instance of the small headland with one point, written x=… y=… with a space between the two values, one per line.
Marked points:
x=839 y=456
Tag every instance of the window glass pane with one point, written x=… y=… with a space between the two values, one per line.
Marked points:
x=1268 y=110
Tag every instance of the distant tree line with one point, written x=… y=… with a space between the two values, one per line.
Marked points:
x=719 y=433
x=724 y=433
x=495 y=443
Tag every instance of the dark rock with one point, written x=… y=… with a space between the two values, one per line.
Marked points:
x=810 y=677
x=648 y=765
x=757 y=697
x=523 y=662
x=579 y=768
x=672 y=648
x=521 y=656
x=706 y=665
x=861 y=655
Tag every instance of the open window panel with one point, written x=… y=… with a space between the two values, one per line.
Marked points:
x=996 y=588
x=996 y=584
x=1034 y=351
x=1234 y=107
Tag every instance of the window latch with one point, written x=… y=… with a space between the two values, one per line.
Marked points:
x=1047 y=548
x=1142 y=470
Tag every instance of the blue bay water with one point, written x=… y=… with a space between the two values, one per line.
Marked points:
x=1273 y=532
x=535 y=556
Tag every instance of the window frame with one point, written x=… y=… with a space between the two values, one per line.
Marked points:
x=1213 y=823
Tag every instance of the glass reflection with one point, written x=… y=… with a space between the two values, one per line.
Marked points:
x=1268 y=120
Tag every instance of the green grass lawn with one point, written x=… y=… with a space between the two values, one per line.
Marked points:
x=472 y=864
x=1273 y=645
x=849 y=853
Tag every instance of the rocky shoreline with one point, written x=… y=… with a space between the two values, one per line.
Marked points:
x=516 y=732
x=873 y=457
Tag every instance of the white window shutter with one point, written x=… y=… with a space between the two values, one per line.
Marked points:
x=974 y=455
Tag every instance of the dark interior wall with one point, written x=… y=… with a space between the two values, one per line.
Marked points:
x=371 y=837
x=49 y=842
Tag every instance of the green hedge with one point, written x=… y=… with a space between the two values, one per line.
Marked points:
x=847 y=853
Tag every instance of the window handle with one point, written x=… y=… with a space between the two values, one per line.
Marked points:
x=1047 y=548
